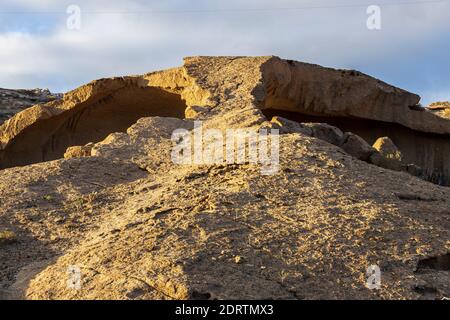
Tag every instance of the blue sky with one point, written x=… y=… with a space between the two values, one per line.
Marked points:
x=412 y=49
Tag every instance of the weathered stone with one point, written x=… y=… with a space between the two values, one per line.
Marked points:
x=314 y=90
x=194 y=112
x=7 y=237
x=79 y=151
x=14 y=101
x=197 y=90
x=326 y=132
x=413 y=169
x=288 y=126
x=439 y=105
x=441 y=109
x=357 y=146
x=388 y=163
x=387 y=148
x=139 y=226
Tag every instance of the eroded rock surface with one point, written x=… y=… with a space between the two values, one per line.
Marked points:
x=79 y=151
x=208 y=87
x=14 y=101
x=139 y=226
x=387 y=148
x=440 y=108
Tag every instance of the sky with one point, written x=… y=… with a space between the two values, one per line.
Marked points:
x=38 y=50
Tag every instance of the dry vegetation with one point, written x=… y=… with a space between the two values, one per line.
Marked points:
x=441 y=103
x=7 y=236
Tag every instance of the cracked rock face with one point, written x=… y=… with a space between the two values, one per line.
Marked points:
x=138 y=226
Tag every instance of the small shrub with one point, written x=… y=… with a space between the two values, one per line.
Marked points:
x=397 y=155
x=84 y=202
x=7 y=237
x=47 y=197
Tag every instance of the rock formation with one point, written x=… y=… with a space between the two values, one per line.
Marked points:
x=79 y=151
x=348 y=100
x=138 y=226
x=387 y=148
x=440 y=108
x=14 y=101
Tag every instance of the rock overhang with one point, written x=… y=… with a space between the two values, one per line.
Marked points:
x=186 y=226
x=230 y=91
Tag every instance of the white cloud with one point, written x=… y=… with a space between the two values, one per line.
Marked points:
x=114 y=44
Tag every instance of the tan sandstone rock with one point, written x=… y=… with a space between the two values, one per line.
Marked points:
x=139 y=226
x=356 y=146
x=288 y=126
x=78 y=151
x=312 y=89
x=441 y=109
x=388 y=149
x=326 y=132
x=390 y=157
x=392 y=164
x=206 y=87
x=14 y=101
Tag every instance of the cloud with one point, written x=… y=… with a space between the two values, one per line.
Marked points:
x=118 y=38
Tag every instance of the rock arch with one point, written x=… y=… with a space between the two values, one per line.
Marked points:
x=87 y=114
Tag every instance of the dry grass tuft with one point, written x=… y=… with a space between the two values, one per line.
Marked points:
x=7 y=237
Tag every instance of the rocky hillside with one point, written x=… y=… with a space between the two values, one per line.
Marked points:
x=99 y=209
x=14 y=101
x=441 y=108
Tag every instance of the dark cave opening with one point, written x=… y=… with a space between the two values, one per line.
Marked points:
x=429 y=151
x=435 y=263
x=90 y=121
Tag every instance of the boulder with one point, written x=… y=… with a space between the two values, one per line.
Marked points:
x=357 y=146
x=387 y=148
x=7 y=237
x=413 y=169
x=441 y=105
x=194 y=112
x=380 y=160
x=326 y=132
x=289 y=126
x=78 y=151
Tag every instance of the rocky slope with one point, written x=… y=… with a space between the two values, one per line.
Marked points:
x=14 y=101
x=139 y=226
x=440 y=108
